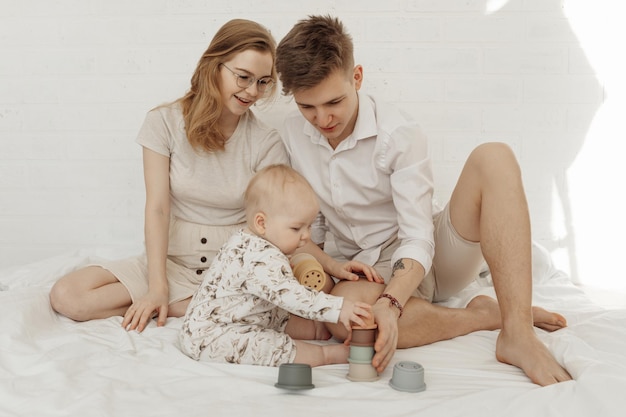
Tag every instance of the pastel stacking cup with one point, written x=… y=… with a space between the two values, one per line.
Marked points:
x=361 y=353
x=408 y=376
x=294 y=376
x=308 y=271
x=363 y=337
x=361 y=372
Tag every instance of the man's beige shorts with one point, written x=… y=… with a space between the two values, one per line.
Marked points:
x=457 y=262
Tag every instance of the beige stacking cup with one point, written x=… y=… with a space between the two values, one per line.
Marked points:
x=360 y=367
x=308 y=271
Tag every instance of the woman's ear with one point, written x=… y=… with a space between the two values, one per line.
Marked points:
x=259 y=223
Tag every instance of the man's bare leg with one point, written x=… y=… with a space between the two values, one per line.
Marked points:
x=489 y=205
x=423 y=323
x=496 y=214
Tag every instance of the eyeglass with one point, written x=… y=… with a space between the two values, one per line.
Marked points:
x=245 y=81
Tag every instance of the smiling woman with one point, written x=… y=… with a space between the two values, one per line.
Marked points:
x=244 y=78
x=199 y=153
x=245 y=81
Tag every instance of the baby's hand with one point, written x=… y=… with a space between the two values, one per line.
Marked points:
x=354 y=312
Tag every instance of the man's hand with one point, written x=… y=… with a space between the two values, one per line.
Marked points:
x=354 y=270
x=386 y=318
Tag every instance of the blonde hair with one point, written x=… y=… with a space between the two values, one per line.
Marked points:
x=202 y=105
x=275 y=189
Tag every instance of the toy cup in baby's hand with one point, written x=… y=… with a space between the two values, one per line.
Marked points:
x=308 y=271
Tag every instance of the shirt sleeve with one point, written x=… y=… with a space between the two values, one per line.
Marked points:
x=412 y=191
x=319 y=229
x=153 y=134
x=272 y=280
x=270 y=150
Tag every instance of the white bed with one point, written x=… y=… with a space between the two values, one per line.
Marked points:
x=52 y=366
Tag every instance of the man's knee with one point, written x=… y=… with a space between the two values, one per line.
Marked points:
x=494 y=154
x=361 y=290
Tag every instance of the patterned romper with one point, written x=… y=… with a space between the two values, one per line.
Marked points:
x=240 y=310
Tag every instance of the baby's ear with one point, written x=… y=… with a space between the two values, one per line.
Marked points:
x=259 y=222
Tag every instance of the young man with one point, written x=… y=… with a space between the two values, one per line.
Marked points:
x=370 y=168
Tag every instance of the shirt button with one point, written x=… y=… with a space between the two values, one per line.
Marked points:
x=203 y=240
x=199 y=272
x=203 y=259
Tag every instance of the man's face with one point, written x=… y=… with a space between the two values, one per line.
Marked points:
x=332 y=106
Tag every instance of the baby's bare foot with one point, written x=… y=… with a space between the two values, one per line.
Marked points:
x=524 y=350
x=336 y=353
x=321 y=332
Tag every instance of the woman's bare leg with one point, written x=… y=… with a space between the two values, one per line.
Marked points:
x=179 y=308
x=89 y=293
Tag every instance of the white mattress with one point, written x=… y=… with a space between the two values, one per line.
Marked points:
x=52 y=366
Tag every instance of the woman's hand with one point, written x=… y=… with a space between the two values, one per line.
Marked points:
x=354 y=270
x=142 y=310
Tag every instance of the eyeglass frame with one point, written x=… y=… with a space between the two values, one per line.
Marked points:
x=253 y=80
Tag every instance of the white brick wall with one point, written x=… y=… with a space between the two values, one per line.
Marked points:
x=77 y=76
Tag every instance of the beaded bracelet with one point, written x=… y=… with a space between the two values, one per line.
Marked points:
x=393 y=301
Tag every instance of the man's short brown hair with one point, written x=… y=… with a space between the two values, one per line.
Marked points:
x=311 y=51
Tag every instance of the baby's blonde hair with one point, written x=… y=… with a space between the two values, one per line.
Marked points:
x=277 y=188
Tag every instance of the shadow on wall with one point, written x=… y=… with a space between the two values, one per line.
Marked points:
x=595 y=176
x=576 y=170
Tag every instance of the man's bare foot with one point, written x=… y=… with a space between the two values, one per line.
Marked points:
x=542 y=318
x=548 y=320
x=524 y=350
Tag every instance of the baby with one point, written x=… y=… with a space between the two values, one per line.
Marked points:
x=240 y=311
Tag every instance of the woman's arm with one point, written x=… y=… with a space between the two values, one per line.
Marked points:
x=156 y=230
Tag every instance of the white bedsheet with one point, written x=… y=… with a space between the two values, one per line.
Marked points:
x=52 y=366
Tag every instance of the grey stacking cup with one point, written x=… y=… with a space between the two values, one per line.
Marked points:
x=408 y=376
x=294 y=376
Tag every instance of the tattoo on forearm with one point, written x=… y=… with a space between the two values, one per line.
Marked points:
x=397 y=266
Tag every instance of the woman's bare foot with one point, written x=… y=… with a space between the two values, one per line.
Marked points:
x=523 y=349
x=542 y=318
